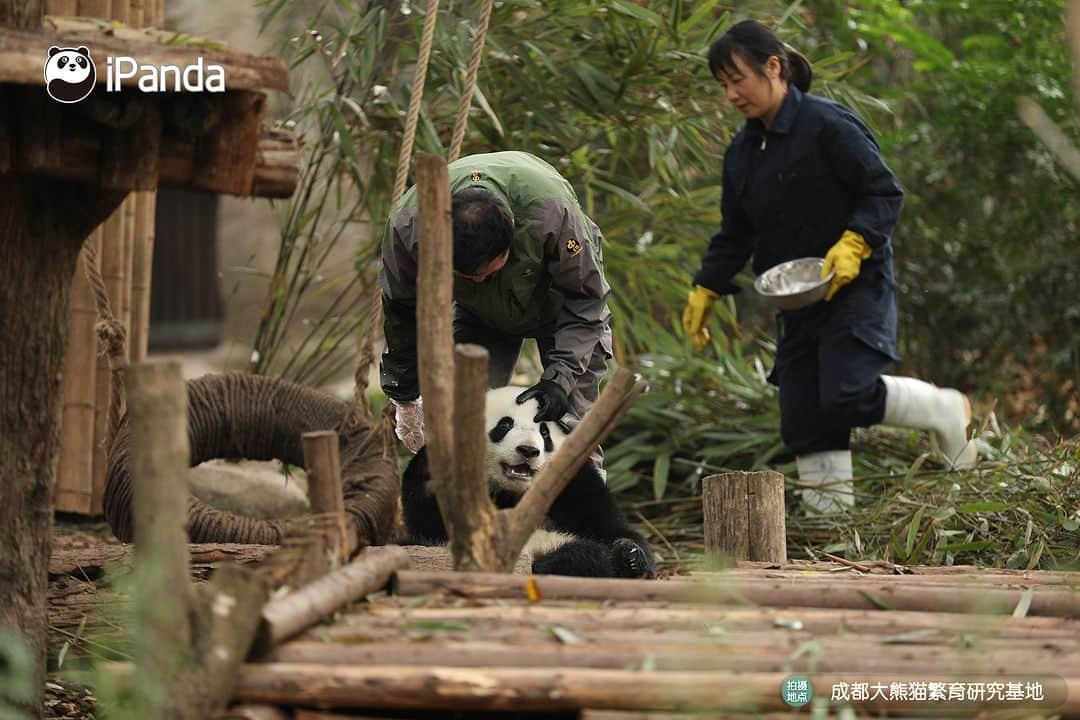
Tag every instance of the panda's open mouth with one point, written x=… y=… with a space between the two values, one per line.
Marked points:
x=521 y=471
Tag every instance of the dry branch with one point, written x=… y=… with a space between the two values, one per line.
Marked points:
x=370 y=571
x=745 y=591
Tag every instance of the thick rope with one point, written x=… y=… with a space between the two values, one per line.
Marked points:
x=405 y=155
x=112 y=337
x=462 y=120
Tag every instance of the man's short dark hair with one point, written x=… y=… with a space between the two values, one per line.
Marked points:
x=483 y=228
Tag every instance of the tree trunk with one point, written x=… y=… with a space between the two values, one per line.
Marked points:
x=42 y=226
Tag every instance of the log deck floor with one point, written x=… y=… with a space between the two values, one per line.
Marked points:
x=702 y=645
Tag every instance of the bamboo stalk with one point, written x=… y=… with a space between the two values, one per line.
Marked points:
x=75 y=471
x=141 y=274
x=370 y=571
x=805 y=593
x=844 y=654
x=95 y=9
x=519 y=689
x=128 y=257
x=61 y=7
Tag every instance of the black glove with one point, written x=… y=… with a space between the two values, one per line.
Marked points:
x=552 y=398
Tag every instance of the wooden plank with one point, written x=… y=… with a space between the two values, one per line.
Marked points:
x=767 y=592
x=21 y=54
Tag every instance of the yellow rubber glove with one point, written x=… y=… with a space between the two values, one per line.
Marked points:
x=844 y=257
x=698 y=305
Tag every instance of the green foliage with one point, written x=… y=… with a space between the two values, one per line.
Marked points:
x=17 y=686
x=987 y=246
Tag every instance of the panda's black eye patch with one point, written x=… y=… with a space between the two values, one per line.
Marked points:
x=502 y=427
x=81 y=61
x=546 y=434
x=63 y=60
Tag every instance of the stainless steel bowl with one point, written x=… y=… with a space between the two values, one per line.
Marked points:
x=794 y=284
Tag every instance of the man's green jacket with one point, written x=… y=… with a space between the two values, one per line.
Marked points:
x=553 y=284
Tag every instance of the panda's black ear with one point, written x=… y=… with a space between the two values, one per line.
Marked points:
x=53 y=50
x=82 y=51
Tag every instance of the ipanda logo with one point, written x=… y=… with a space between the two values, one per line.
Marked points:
x=70 y=75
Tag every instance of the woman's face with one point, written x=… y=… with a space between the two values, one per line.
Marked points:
x=751 y=94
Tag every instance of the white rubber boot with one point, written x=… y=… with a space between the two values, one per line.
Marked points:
x=945 y=412
x=829 y=467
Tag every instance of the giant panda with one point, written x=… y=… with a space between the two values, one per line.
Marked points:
x=585 y=533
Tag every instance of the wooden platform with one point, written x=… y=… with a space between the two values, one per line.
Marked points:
x=704 y=643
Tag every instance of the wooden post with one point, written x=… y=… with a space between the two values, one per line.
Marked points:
x=75 y=472
x=141 y=272
x=322 y=460
x=744 y=517
x=434 y=329
x=158 y=462
x=472 y=530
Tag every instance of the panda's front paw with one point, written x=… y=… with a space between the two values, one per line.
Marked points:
x=633 y=560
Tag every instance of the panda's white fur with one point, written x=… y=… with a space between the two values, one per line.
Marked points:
x=511 y=463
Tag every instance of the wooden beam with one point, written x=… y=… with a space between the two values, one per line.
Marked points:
x=745 y=591
x=521 y=689
x=225 y=156
x=286 y=616
x=275 y=171
x=22 y=52
x=434 y=329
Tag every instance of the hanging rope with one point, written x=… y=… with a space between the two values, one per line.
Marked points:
x=405 y=156
x=112 y=336
x=462 y=120
x=361 y=411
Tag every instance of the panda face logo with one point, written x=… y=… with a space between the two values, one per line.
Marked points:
x=70 y=74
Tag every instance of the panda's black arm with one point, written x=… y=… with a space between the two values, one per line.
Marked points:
x=419 y=505
x=587 y=508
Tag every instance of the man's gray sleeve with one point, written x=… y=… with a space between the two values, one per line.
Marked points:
x=397 y=279
x=573 y=246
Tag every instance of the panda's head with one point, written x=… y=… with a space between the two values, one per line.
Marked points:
x=517 y=446
x=70 y=73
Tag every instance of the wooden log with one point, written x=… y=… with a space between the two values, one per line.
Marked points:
x=744 y=517
x=322 y=460
x=977 y=578
x=225 y=156
x=75 y=471
x=253 y=712
x=370 y=571
x=40 y=145
x=817 y=621
x=844 y=654
x=141 y=274
x=21 y=53
x=275 y=175
x=130 y=154
x=473 y=531
x=158 y=462
x=120 y=11
x=434 y=330
x=137 y=14
x=809 y=593
x=521 y=521
x=521 y=689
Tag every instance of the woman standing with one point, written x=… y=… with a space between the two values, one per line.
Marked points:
x=805 y=178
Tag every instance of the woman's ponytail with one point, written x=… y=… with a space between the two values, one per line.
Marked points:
x=800 y=72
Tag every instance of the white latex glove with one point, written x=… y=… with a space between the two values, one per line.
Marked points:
x=409 y=423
